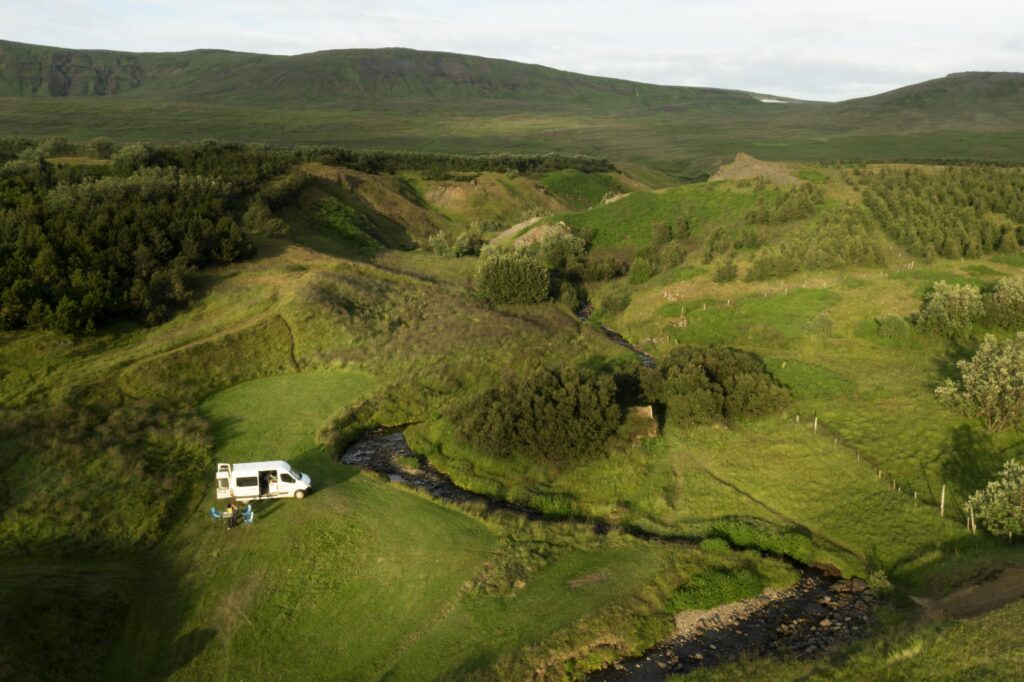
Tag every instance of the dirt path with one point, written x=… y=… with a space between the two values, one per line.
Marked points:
x=974 y=600
x=809 y=619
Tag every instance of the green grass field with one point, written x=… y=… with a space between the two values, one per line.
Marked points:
x=365 y=580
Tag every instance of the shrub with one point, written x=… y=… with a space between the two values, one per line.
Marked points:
x=671 y=255
x=559 y=248
x=259 y=220
x=950 y=309
x=512 y=278
x=998 y=505
x=569 y=296
x=466 y=243
x=821 y=325
x=640 y=271
x=555 y=415
x=726 y=272
x=879 y=584
x=614 y=303
x=892 y=327
x=703 y=385
x=1005 y=303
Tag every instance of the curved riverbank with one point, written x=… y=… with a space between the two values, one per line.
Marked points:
x=811 y=618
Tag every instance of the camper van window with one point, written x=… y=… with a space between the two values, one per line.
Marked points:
x=222 y=483
x=248 y=481
x=287 y=478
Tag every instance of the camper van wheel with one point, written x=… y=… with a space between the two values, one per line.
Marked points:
x=299 y=494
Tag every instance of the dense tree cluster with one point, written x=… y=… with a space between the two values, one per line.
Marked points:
x=841 y=238
x=556 y=415
x=703 y=385
x=792 y=204
x=73 y=253
x=439 y=164
x=951 y=212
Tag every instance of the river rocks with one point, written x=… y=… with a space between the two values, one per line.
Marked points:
x=808 y=620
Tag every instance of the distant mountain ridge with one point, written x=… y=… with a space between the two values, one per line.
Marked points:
x=313 y=77
x=403 y=99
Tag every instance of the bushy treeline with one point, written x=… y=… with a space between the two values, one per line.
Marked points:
x=75 y=251
x=953 y=309
x=555 y=415
x=702 y=385
x=205 y=156
x=437 y=163
x=841 y=238
x=951 y=212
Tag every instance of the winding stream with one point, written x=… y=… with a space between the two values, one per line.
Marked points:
x=817 y=615
x=808 y=619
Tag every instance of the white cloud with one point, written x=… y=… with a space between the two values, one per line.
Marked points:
x=795 y=48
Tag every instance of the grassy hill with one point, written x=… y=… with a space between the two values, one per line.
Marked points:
x=407 y=99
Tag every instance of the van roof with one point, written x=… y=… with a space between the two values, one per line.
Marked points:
x=260 y=466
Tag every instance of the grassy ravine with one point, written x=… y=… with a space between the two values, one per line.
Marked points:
x=364 y=580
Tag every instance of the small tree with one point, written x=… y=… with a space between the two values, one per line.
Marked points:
x=726 y=272
x=1000 y=505
x=991 y=384
x=1006 y=302
x=512 y=278
x=640 y=271
x=950 y=309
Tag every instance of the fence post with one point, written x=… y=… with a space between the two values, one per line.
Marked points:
x=942 y=501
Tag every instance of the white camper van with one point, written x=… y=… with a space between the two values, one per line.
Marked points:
x=260 y=481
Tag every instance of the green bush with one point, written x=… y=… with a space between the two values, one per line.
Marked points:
x=726 y=272
x=821 y=325
x=556 y=415
x=1005 y=303
x=512 y=278
x=704 y=385
x=640 y=271
x=614 y=303
x=950 y=309
x=713 y=588
x=892 y=327
x=466 y=243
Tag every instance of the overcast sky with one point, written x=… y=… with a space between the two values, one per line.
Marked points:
x=813 y=50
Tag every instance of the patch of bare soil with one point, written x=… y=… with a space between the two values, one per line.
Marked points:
x=539 y=234
x=746 y=167
x=509 y=235
x=974 y=600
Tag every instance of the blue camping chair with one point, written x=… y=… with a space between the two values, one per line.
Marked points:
x=215 y=515
x=247 y=516
x=247 y=510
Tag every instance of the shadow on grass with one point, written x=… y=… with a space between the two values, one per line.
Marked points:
x=183 y=650
x=971 y=458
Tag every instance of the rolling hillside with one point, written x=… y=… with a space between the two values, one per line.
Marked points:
x=407 y=99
